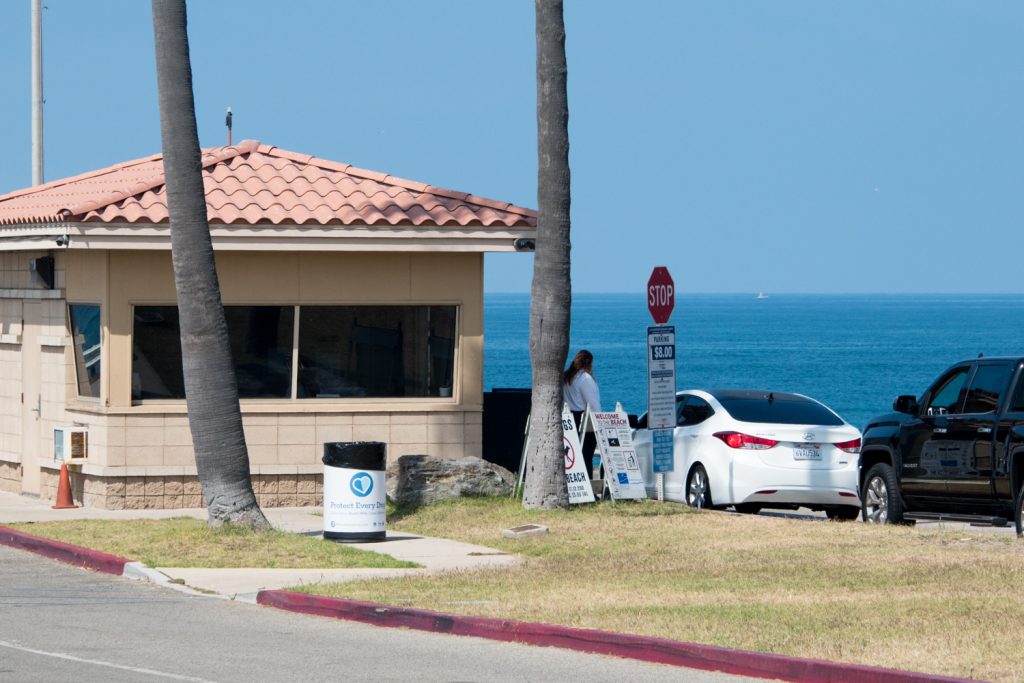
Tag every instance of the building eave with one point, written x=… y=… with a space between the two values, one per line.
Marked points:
x=266 y=237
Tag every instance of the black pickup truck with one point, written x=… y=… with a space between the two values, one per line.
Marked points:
x=956 y=453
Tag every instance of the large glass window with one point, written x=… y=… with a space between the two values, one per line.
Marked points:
x=344 y=351
x=391 y=351
x=85 y=333
x=261 y=347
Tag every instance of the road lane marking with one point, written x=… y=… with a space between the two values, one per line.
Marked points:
x=73 y=658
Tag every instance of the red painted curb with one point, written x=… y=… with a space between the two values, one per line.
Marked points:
x=645 y=648
x=64 y=552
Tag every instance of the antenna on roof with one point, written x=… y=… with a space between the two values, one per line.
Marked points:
x=227 y=122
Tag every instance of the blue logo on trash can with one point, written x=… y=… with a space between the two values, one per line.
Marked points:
x=361 y=484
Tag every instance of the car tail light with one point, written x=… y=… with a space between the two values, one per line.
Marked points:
x=741 y=440
x=852 y=446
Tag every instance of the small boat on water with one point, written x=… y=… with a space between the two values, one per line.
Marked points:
x=762 y=295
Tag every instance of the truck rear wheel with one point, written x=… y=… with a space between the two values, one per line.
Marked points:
x=880 y=498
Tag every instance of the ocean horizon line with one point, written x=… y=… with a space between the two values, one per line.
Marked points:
x=768 y=294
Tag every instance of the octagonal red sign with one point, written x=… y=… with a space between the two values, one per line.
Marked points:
x=661 y=295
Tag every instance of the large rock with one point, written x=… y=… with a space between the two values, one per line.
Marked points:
x=425 y=479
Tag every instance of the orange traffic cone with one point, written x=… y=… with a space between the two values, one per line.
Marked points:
x=64 y=499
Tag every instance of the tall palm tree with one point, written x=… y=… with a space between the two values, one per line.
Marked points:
x=211 y=393
x=551 y=292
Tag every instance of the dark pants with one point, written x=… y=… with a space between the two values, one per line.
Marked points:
x=589 y=444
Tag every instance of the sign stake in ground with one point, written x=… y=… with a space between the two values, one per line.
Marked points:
x=661 y=373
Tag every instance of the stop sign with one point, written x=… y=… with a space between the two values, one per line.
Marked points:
x=661 y=295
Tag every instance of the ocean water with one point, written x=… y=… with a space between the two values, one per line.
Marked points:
x=854 y=352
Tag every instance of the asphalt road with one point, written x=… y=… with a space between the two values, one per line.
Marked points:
x=62 y=623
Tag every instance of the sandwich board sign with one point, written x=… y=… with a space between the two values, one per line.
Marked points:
x=580 y=490
x=622 y=473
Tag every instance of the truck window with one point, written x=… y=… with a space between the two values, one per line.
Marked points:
x=1017 y=405
x=947 y=395
x=987 y=388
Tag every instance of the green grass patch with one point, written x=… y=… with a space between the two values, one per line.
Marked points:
x=939 y=602
x=189 y=542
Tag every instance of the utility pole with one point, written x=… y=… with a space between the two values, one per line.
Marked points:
x=37 y=92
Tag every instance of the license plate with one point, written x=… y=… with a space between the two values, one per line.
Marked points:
x=806 y=453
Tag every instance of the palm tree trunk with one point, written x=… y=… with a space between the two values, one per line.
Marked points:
x=551 y=293
x=211 y=393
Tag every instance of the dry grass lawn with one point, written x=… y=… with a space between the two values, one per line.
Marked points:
x=188 y=542
x=940 y=602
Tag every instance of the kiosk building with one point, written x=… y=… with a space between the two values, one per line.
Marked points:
x=354 y=303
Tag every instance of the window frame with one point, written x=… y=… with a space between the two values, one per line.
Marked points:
x=74 y=349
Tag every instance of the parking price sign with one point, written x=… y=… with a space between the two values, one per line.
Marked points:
x=661 y=377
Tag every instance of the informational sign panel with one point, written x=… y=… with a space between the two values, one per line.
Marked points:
x=663 y=450
x=661 y=377
x=621 y=466
x=580 y=490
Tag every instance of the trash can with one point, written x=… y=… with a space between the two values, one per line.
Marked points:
x=354 y=491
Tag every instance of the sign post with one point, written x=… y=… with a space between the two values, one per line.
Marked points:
x=661 y=374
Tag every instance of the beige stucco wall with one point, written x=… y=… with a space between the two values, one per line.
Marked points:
x=33 y=314
x=285 y=437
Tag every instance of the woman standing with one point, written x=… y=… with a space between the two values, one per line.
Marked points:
x=580 y=390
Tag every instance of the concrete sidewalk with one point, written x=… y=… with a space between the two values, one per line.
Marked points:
x=434 y=554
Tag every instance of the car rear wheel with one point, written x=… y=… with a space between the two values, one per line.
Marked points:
x=1019 y=515
x=880 y=499
x=748 y=508
x=698 y=490
x=842 y=513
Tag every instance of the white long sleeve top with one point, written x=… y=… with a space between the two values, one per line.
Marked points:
x=582 y=392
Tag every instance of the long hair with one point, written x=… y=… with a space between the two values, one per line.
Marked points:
x=583 y=360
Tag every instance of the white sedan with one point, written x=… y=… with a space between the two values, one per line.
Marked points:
x=757 y=449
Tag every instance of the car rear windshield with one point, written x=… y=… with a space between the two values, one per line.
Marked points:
x=780 y=411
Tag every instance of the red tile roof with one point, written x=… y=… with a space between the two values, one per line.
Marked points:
x=251 y=183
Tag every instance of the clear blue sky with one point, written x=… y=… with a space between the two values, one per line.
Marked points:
x=785 y=146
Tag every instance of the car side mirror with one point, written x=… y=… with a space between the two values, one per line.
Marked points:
x=905 y=404
x=634 y=420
